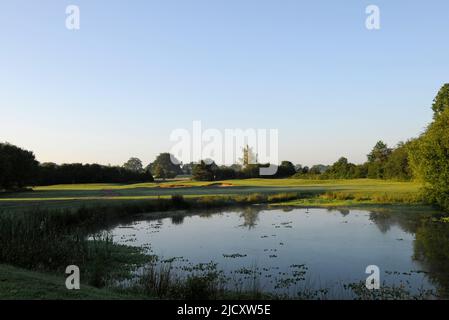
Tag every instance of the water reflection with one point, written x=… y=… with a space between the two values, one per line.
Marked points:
x=177 y=219
x=334 y=243
x=432 y=250
x=431 y=245
x=250 y=216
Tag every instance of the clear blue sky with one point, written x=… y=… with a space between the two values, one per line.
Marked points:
x=136 y=70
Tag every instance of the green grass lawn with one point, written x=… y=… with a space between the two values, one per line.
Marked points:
x=17 y=283
x=365 y=183
x=80 y=194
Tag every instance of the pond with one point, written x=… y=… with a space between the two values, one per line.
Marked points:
x=318 y=248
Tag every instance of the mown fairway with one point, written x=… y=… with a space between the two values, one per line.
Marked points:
x=91 y=194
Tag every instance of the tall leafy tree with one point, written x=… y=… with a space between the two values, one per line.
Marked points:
x=441 y=101
x=286 y=169
x=133 y=164
x=18 y=167
x=379 y=153
x=429 y=154
x=397 y=164
x=167 y=162
x=342 y=169
x=429 y=157
x=159 y=172
x=203 y=172
x=377 y=159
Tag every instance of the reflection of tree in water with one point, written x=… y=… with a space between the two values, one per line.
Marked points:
x=407 y=221
x=250 y=216
x=177 y=219
x=431 y=245
x=432 y=249
x=383 y=220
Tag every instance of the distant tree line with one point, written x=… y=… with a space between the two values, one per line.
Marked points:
x=51 y=173
x=209 y=171
x=382 y=163
x=19 y=168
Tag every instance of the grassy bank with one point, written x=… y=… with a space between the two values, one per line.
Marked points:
x=17 y=283
x=357 y=198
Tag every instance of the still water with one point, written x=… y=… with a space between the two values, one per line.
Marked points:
x=328 y=248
